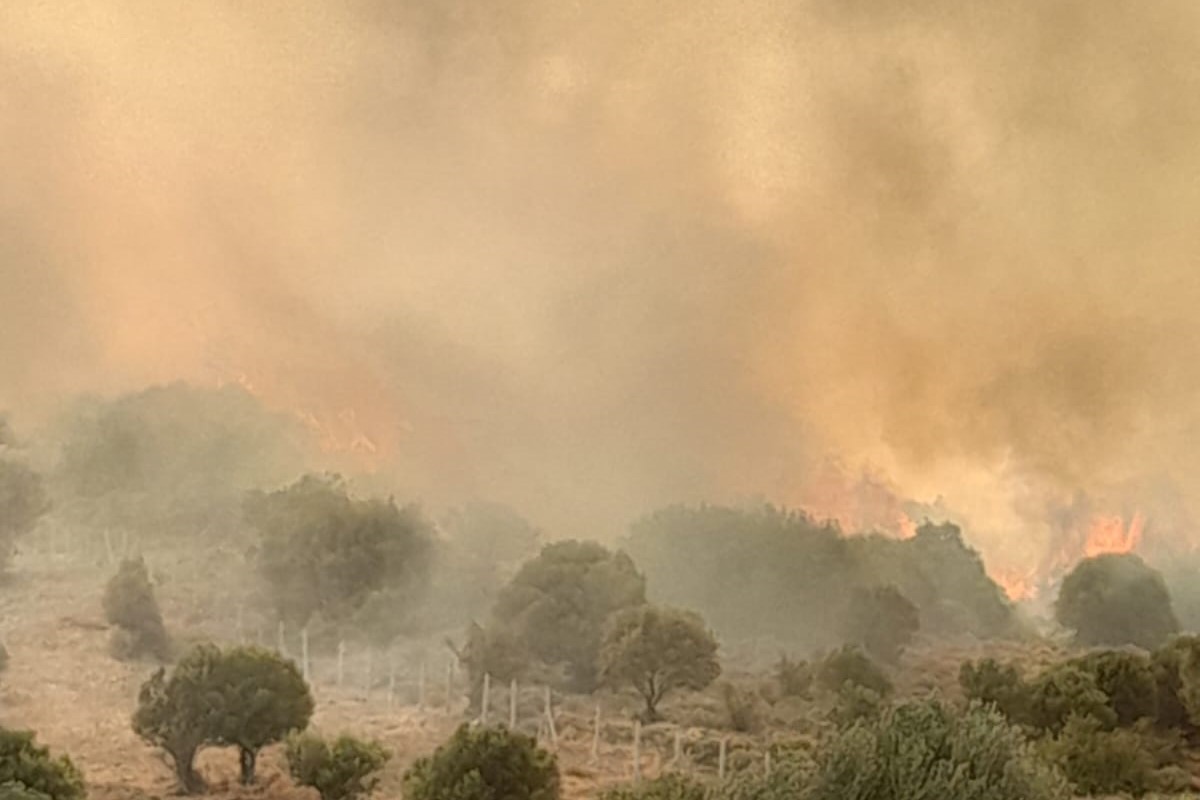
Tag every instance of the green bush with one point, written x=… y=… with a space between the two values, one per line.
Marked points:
x=493 y=651
x=1116 y=599
x=855 y=704
x=849 y=664
x=129 y=603
x=484 y=764
x=883 y=621
x=993 y=684
x=925 y=750
x=795 y=678
x=558 y=603
x=244 y=697
x=346 y=770
x=27 y=769
x=1127 y=680
x=742 y=711
x=1066 y=690
x=656 y=651
x=1099 y=761
x=788 y=780
x=1171 y=664
x=668 y=786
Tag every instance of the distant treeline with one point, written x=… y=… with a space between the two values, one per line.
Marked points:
x=774 y=572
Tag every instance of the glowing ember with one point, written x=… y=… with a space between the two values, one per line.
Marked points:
x=1017 y=585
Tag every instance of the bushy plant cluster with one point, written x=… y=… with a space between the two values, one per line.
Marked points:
x=130 y=605
x=1107 y=718
x=243 y=697
x=484 y=764
x=27 y=770
x=345 y=769
x=790 y=565
x=1116 y=599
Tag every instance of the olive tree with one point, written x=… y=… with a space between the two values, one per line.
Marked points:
x=558 y=602
x=326 y=552
x=656 y=650
x=244 y=697
x=1116 y=599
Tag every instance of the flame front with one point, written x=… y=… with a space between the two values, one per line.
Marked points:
x=1112 y=535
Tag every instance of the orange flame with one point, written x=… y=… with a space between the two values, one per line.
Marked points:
x=1112 y=535
x=866 y=503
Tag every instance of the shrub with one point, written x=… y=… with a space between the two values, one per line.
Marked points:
x=658 y=650
x=668 y=786
x=27 y=769
x=923 y=749
x=788 y=780
x=741 y=709
x=129 y=604
x=492 y=651
x=1063 y=691
x=24 y=500
x=795 y=678
x=1171 y=664
x=484 y=764
x=245 y=697
x=1097 y=761
x=850 y=665
x=856 y=703
x=989 y=683
x=557 y=604
x=346 y=770
x=1116 y=599
x=1127 y=680
x=883 y=621
x=325 y=552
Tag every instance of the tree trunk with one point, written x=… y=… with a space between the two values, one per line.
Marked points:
x=188 y=779
x=248 y=759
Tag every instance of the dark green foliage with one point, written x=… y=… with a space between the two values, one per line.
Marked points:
x=1170 y=664
x=557 y=603
x=325 y=552
x=244 y=697
x=855 y=704
x=1099 y=761
x=742 y=710
x=657 y=650
x=346 y=770
x=1116 y=599
x=15 y=791
x=992 y=684
x=263 y=698
x=796 y=577
x=484 y=764
x=23 y=501
x=883 y=621
x=925 y=750
x=129 y=603
x=492 y=651
x=171 y=460
x=28 y=770
x=850 y=665
x=1127 y=679
x=795 y=678
x=1063 y=691
x=668 y=786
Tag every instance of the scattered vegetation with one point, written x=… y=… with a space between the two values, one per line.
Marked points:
x=347 y=769
x=1116 y=599
x=130 y=605
x=657 y=650
x=850 y=665
x=28 y=770
x=484 y=764
x=23 y=501
x=883 y=621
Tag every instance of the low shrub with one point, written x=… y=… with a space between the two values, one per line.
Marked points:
x=1099 y=761
x=849 y=664
x=346 y=770
x=484 y=764
x=28 y=770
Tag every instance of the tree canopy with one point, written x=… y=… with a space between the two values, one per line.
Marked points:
x=883 y=621
x=484 y=764
x=23 y=501
x=1116 y=599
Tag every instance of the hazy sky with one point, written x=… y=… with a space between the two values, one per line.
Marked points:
x=594 y=257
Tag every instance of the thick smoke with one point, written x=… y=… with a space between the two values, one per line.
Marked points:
x=593 y=258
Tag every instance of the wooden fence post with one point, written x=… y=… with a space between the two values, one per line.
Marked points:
x=721 y=760
x=595 y=758
x=512 y=705
x=487 y=700
x=304 y=662
x=341 y=663
x=637 y=752
x=550 y=718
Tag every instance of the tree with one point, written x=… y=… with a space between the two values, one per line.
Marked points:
x=326 y=552
x=1063 y=691
x=346 y=770
x=558 y=602
x=1116 y=599
x=484 y=764
x=491 y=651
x=129 y=603
x=883 y=621
x=1176 y=666
x=925 y=749
x=1102 y=762
x=991 y=684
x=23 y=501
x=245 y=697
x=657 y=650
x=1127 y=680
x=263 y=698
x=28 y=770
x=850 y=665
